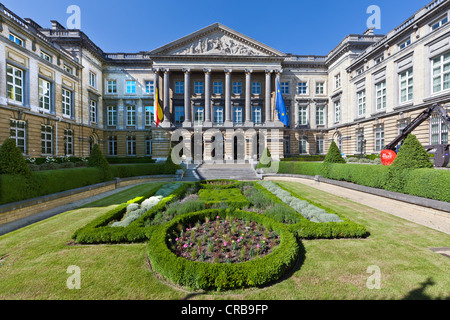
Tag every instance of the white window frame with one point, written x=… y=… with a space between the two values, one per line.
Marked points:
x=379 y=139
x=149 y=115
x=438 y=130
x=131 y=116
x=111 y=86
x=219 y=114
x=404 y=43
x=199 y=114
x=17 y=40
x=46 y=57
x=12 y=87
x=93 y=111
x=303 y=115
x=111 y=116
x=218 y=87
x=237 y=87
x=256 y=88
x=257 y=114
x=361 y=99
x=337 y=81
x=302 y=87
x=46 y=140
x=380 y=96
x=320 y=88
x=68 y=142
x=302 y=145
x=320 y=115
x=131 y=146
x=199 y=87
x=149 y=87
x=179 y=87
x=45 y=94
x=18 y=132
x=66 y=96
x=238 y=114
x=439 y=22
x=285 y=87
x=130 y=86
x=112 y=146
x=148 y=146
x=93 y=79
x=68 y=69
x=406 y=86
x=320 y=145
x=337 y=111
x=439 y=72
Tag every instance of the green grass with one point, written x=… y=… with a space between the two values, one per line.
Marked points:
x=34 y=260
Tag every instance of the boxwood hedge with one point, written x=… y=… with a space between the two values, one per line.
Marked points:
x=202 y=275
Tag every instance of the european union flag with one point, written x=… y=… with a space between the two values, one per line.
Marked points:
x=281 y=107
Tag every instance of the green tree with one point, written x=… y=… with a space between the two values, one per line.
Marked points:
x=12 y=160
x=266 y=159
x=96 y=159
x=334 y=155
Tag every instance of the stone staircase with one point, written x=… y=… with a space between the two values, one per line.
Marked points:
x=242 y=172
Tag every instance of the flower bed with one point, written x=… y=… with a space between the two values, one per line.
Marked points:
x=203 y=275
x=228 y=240
x=230 y=197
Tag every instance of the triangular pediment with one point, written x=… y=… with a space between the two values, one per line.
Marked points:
x=216 y=40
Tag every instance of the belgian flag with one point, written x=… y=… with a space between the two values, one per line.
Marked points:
x=159 y=114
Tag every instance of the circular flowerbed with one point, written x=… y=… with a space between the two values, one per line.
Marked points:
x=267 y=264
x=229 y=240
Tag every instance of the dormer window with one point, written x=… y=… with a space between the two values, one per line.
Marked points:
x=46 y=56
x=16 y=40
x=439 y=23
x=405 y=43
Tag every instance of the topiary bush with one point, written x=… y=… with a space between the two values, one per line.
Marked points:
x=334 y=155
x=96 y=159
x=12 y=160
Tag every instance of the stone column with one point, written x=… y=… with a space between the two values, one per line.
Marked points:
x=296 y=115
x=248 y=98
x=268 y=102
x=207 y=98
x=228 y=118
x=156 y=84
x=187 y=98
x=166 y=122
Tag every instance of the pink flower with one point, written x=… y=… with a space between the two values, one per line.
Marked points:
x=176 y=239
x=218 y=217
x=219 y=227
x=184 y=254
x=258 y=246
x=238 y=240
x=185 y=245
x=225 y=243
x=187 y=229
x=190 y=244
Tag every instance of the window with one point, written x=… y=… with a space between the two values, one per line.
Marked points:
x=93 y=111
x=287 y=144
x=46 y=139
x=218 y=115
x=379 y=139
x=320 y=145
x=218 y=87
x=148 y=145
x=302 y=87
x=67 y=102
x=320 y=116
x=18 y=133
x=320 y=88
x=149 y=87
x=14 y=80
x=179 y=87
x=361 y=102
x=179 y=115
x=131 y=86
x=406 y=86
x=303 y=116
x=16 y=40
x=303 y=145
x=337 y=111
x=379 y=59
x=380 y=89
x=284 y=87
x=199 y=114
x=198 y=87
x=405 y=43
x=68 y=142
x=112 y=145
x=237 y=87
x=441 y=73
x=256 y=87
x=402 y=125
x=337 y=81
x=111 y=86
x=131 y=145
x=439 y=131
x=439 y=23
x=238 y=115
x=44 y=94
x=131 y=115
x=149 y=115
x=257 y=114
x=68 y=69
x=111 y=116
x=360 y=71
x=46 y=56
x=92 y=79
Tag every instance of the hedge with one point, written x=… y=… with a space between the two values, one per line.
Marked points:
x=129 y=160
x=98 y=231
x=17 y=188
x=222 y=276
x=426 y=183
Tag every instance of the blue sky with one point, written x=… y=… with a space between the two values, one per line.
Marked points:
x=299 y=27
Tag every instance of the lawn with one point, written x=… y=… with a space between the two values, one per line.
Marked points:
x=34 y=260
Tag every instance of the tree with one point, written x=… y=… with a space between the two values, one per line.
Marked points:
x=334 y=154
x=266 y=159
x=96 y=159
x=12 y=160
x=412 y=155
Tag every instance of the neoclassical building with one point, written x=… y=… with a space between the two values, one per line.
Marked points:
x=60 y=93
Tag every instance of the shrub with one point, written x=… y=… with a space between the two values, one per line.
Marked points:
x=97 y=159
x=266 y=159
x=412 y=155
x=334 y=154
x=231 y=197
x=169 y=165
x=12 y=160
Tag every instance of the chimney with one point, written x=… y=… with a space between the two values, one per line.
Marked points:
x=56 y=25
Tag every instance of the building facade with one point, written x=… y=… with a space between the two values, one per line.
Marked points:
x=61 y=93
